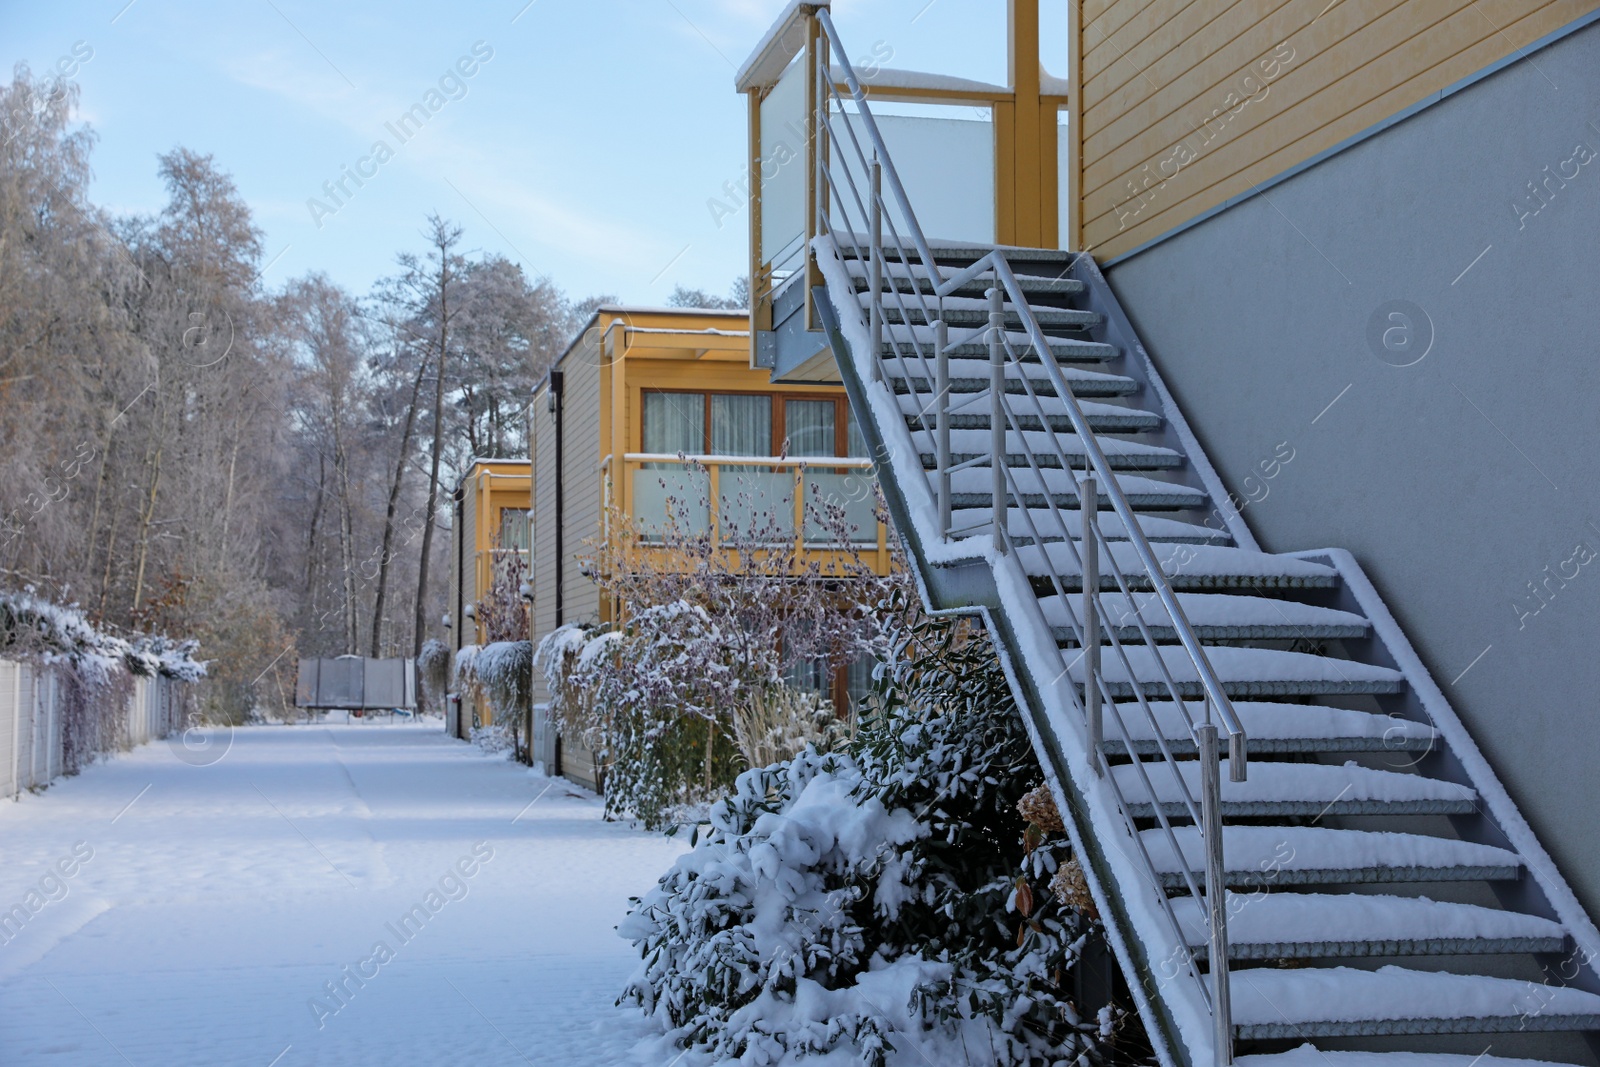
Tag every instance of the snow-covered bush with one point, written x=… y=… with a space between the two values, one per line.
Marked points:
x=96 y=668
x=433 y=668
x=886 y=903
x=690 y=685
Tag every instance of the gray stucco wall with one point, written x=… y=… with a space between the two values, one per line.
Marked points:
x=1456 y=480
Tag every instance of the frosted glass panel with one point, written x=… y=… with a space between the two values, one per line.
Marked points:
x=783 y=170
x=851 y=491
x=678 y=495
x=756 y=503
x=946 y=166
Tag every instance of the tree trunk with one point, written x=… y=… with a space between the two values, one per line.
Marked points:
x=394 y=504
x=347 y=548
x=438 y=444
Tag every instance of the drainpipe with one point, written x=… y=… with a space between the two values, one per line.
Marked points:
x=461 y=546
x=557 y=382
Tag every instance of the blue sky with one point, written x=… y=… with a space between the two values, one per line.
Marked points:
x=585 y=148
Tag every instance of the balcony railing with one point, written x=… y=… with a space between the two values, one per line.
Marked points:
x=815 y=503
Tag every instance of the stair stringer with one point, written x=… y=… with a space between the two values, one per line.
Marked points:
x=1542 y=890
x=966 y=577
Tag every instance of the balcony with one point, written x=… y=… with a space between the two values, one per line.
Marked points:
x=824 y=507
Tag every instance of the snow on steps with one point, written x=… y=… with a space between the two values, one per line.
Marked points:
x=900 y=341
x=971 y=412
x=1214 y=616
x=1320 y=925
x=1278 y=728
x=1186 y=566
x=972 y=375
x=1281 y=790
x=973 y=487
x=974 y=310
x=1244 y=672
x=970 y=444
x=1276 y=856
x=1309 y=1055
x=1341 y=1001
x=1155 y=527
x=861 y=273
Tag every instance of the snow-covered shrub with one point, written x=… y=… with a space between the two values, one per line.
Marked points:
x=433 y=669
x=503 y=671
x=689 y=686
x=886 y=903
x=96 y=669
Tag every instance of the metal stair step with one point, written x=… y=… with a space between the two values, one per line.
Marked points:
x=1046 y=317
x=1043 y=521
x=1244 y=672
x=1187 y=567
x=1273 y=728
x=973 y=487
x=1332 y=925
x=915 y=375
x=1308 y=1055
x=948 y=253
x=1270 y=1002
x=912 y=341
x=895 y=274
x=968 y=445
x=1285 y=790
x=1214 y=616
x=1280 y=856
x=1103 y=418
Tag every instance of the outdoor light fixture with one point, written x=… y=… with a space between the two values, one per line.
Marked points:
x=525 y=590
x=470 y=611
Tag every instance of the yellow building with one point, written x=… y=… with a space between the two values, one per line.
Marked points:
x=490 y=522
x=647 y=404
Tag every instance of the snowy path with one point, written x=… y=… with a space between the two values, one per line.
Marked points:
x=220 y=900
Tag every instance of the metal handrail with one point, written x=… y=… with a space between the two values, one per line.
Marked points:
x=919 y=283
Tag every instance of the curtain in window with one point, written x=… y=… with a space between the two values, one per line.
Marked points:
x=514 y=529
x=674 y=422
x=741 y=425
x=856 y=445
x=809 y=424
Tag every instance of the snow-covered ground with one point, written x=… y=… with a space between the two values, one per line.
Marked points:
x=195 y=913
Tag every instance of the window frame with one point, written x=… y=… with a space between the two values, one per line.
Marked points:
x=841 y=418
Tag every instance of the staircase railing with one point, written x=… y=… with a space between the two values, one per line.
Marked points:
x=905 y=282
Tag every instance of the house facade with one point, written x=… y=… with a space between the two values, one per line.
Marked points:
x=655 y=415
x=488 y=527
x=1270 y=281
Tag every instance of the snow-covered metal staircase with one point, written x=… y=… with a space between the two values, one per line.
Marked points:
x=1209 y=714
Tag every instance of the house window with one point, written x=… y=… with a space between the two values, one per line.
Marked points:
x=514 y=533
x=748 y=424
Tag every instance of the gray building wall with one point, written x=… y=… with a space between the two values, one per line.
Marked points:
x=1464 y=482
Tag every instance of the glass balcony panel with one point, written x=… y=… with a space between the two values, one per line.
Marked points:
x=783 y=171
x=850 y=491
x=756 y=503
x=945 y=163
x=665 y=497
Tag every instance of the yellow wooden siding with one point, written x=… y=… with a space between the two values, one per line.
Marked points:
x=1161 y=71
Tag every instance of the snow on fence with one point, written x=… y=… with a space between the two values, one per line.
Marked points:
x=33 y=709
